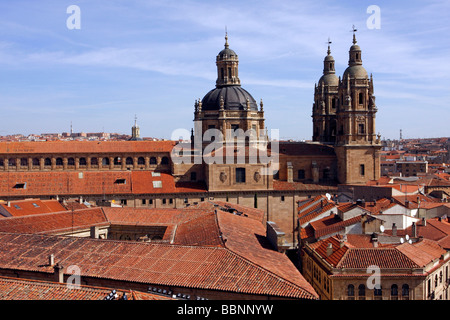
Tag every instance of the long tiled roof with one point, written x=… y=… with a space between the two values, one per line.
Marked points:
x=84 y=147
x=55 y=222
x=25 y=289
x=93 y=183
x=212 y=268
x=31 y=206
x=403 y=256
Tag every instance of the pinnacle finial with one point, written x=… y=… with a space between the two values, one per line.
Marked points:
x=329 y=42
x=354 y=36
x=226 y=38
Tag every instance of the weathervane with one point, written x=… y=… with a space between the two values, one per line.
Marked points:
x=329 y=42
x=354 y=30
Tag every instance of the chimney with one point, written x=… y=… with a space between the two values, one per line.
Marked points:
x=424 y=222
x=329 y=249
x=275 y=236
x=8 y=204
x=374 y=240
x=414 y=230
x=342 y=241
x=58 y=273
x=51 y=260
x=394 y=229
x=94 y=232
x=290 y=173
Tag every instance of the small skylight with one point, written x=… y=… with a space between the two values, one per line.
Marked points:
x=156 y=174
x=35 y=205
x=17 y=207
x=157 y=184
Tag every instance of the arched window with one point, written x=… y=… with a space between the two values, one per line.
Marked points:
x=360 y=98
x=141 y=160
x=165 y=160
x=377 y=293
x=351 y=292
x=47 y=162
x=152 y=160
x=129 y=161
x=105 y=162
x=405 y=292
x=394 y=292
x=117 y=161
x=35 y=162
x=12 y=162
x=362 y=292
x=24 y=162
x=94 y=161
x=2 y=163
x=82 y=161
x=71 y=161
x=59 y=161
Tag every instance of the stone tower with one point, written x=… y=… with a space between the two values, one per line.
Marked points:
x=357 y=145
x=325 y=103
x=135 y=131
x=228 y=106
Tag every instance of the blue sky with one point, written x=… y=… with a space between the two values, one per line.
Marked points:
x=155 y=58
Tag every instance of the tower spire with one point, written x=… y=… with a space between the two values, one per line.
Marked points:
x=354 y=35
x=329 y=42
x=226 y=38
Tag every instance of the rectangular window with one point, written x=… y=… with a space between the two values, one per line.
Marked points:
x=282 y=198
x=150 y=201
x=301 y=174
x=123 y=202
x=163 y=201
x=171 y=201
x=361 y=128
x=144 y=201
x=240 y=175
x=361 y=169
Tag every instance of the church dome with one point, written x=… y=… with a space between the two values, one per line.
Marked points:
x=329 y=80
x=356 y=71
x=234 y=98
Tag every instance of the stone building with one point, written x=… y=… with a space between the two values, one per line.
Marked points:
x=360 y=267
x=229 y=157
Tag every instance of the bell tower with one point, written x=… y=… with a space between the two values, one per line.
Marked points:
x=357 y=145
x=325 y=103
x=227 y=66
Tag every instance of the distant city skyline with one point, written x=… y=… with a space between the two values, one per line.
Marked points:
x=153 y=59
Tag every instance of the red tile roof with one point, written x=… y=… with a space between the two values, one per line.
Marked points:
x=85 y=147
x=18 y=208
x=281 y=185
x=25 y=289
x=211 y=268
x=53 y=183
x=403 y=256
x=55 y=222
x=212 y=249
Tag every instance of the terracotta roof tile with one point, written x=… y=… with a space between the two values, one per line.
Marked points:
x=54 y=222
x=25 y=289
x=18 y=208
x=92 y=182
x=85 y=147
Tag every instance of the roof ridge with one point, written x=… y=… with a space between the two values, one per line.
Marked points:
x=272 y=274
